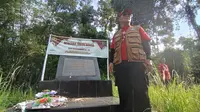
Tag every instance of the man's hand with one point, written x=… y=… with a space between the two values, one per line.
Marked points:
x=111 y=67
x=148 y=66
x=147 y=62
x=163 y=77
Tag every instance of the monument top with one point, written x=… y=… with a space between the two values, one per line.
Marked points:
x=84 y=63
x=77 y=68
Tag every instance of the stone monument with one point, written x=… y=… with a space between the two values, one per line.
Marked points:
x=78 y=76
x=77 y=68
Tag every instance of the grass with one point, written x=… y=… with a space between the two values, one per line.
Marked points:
x=177 y=97
x=10 y=96
x=174 y=98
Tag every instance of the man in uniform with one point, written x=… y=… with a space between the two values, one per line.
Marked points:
x=130 y=51
x=164 y=71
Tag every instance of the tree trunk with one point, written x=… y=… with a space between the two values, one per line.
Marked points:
x=191 y=18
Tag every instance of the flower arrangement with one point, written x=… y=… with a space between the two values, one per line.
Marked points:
x=44 y=99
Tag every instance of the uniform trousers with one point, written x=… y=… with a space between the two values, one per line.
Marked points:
x=132 y=83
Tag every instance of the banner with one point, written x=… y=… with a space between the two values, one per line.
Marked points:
x=59 y=45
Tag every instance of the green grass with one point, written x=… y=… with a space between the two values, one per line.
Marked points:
x=115 y=90
x=175 y=98
x=10 y=96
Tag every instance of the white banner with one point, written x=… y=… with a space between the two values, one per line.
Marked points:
x=59 y=45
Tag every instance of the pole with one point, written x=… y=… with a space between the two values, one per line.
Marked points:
x=108 y=78
x=45 y=61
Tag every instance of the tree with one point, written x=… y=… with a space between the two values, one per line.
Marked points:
x=185 y=61
x=168 y=42
x=65 y=14
x=188 y=10
x=87 y=21
x=10 y=15
x=177 y=60
x=106 y=15
x=188 y=45
x=196 y=66
x=16 y=50
x=154 y=15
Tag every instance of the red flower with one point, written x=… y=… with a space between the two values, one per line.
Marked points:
x=43 y=100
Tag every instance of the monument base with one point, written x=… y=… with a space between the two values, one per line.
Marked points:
x=90 y=96
x=101 y=104
x=78 y=89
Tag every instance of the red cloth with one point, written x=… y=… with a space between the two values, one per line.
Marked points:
x=164 y=71
x=143 y=34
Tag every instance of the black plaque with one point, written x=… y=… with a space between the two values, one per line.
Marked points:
x=77 y=68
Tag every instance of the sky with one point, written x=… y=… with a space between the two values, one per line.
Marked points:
x=185 y=29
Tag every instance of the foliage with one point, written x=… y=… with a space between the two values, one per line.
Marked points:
x=196 y=66
x=187 y=9
x=177 y=60
x=25 y=27
x=106 y=15
x=159 y=15
x=155 y=17
x=10 y=96
x=191 y=47
x=168 y=42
